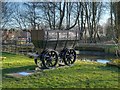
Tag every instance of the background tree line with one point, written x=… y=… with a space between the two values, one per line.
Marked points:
x=84 y=16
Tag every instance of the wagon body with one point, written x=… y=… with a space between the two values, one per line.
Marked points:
x=54 y=39
x=52 y=45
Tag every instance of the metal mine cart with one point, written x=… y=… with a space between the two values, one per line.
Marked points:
x=53 y=46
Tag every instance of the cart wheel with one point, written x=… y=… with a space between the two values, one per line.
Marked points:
x=38 y=58
x=38 y=62
x=69 y=56
x=49 y=59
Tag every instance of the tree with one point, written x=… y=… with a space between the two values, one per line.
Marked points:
x=6 y=13
x=59 y=15
x=116 y=11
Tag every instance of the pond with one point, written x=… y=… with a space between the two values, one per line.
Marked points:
x=94 y=53
x=102 y=61
x=99 y=57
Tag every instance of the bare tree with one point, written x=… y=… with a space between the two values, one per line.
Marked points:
x=7 y=11
x=116 y=12
x=60 y=15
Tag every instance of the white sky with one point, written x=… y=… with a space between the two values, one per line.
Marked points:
x=104 y=18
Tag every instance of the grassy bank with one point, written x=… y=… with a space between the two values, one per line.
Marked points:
x=80 y=75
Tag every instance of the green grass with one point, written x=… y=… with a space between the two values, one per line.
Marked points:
x=80 y=75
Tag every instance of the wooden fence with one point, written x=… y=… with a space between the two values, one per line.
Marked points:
x=17 y=46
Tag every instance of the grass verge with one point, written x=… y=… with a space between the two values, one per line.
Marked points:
x=80 y=75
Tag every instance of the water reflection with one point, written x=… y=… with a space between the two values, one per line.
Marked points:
x=102 y=61
x=95 y=60
x=24 y=73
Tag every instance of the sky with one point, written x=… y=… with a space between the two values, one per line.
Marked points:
x=104 y=19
